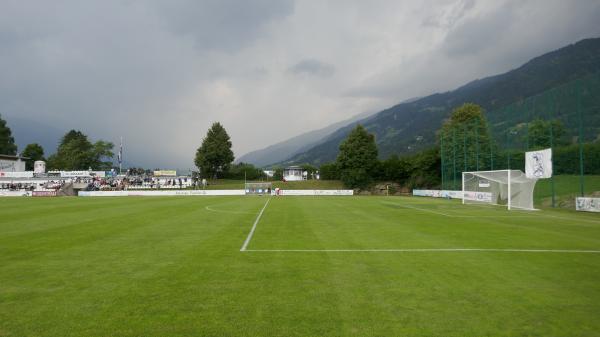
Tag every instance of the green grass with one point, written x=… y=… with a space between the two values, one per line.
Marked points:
x=172 y=266
x=567 y=188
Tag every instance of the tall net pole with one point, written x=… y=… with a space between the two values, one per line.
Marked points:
x=477 y=144
x=491 y=149
x=465 y=148
x=553 y=113
x=442 y=156
x=454 y=159
x=507 y=148
x=580 y=138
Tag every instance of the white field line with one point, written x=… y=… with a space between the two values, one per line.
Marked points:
x=245 y=245
x=534 y=215
x=432 y=250
x=462 y=216
x=209 y=208
x=565 y=218
x=539 y=214
x=419 y=209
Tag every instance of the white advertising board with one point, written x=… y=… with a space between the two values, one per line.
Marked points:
x=159 y=193
x=438 y=194
x=73 y=174
x=588 y=204
x=102 y=193
x=312 y=192
x=478 y=196
x=14 y=194
x=23 y=174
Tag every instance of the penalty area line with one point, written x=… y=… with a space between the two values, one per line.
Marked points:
x=247 y=242
x=432 y=250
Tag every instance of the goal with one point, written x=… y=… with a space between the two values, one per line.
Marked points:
x=509 y=188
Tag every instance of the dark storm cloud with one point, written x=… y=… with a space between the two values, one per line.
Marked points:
x=313 y=67
x=484 y=41
x=159 y=72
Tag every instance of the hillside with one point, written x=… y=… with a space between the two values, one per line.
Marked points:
x=285 y=149
x=410 y=127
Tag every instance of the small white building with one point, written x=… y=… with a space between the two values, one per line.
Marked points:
x=10 y=163
x=294 y=173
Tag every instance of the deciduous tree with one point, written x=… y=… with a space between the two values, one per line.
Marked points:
x=33 y=152
x=7 y=142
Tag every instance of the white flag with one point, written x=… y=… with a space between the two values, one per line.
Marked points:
x=538 y=164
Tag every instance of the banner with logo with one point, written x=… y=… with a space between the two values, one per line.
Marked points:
x=438 y=194
x=312 y=192
x=74 y=174
x=588 y=204
x=538 y=164
x=165 y=173
x=478 y=196
x=159 y=193
x=43 y=193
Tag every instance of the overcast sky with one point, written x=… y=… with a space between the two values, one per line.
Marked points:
x=159 y=72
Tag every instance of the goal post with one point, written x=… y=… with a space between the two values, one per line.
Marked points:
x=510 y=188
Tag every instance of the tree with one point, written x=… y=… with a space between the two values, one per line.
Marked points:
x=214 y=156
x=540 y=133
x=34 y=152
x=7 y=142
x=76 y=152
x=278 y=173
x=396 y=169
x=329 y=171
x=466 y=133
x=357 y=158
x=244 y=170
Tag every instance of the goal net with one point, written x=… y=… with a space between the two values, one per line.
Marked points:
x=509 y=188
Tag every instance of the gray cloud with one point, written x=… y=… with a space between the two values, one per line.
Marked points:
x=159 y=73
x=223 y=24
x=313 y=67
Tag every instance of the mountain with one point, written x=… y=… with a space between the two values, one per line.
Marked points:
x=411 y=126
x=283 y=150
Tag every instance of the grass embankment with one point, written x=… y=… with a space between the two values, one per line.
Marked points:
x=567 y=188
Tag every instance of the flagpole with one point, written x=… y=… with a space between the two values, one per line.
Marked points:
x=121 y=157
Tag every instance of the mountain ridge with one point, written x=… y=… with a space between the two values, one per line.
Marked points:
x=410 y=127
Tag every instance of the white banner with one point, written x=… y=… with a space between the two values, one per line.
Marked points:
x=588 y=204
x=102 y=193
x=15 y=194
x=312 y=192
x=73 y=174
x=538 y=164
x=23 y=174
x=159 y=193
x=478 y=196
x=438 y=194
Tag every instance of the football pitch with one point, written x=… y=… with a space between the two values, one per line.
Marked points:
x=294 y=266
